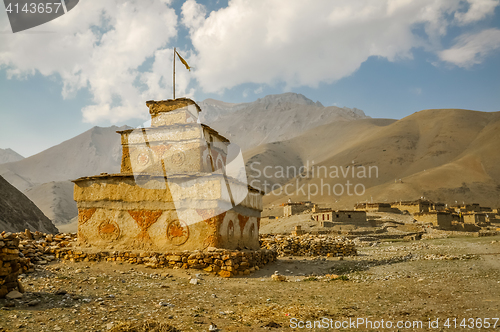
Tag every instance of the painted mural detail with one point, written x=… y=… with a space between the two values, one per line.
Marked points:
x=178 y=158
x=144 y=219
x=177 y=232
x=252 y=231
x=214 y=237
x=109 y=230
x=242 y=221
x=159 y=150
x=84 y=215
x=230 y=230
x=143 y=158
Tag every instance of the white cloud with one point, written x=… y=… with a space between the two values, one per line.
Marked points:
x=101 y=45
x=193 y=14
x=471 y=49
x=98 y=45
x=260 y=89
x=478 y=10
x=306 y=43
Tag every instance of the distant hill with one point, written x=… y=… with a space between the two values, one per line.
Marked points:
x=9 y=155
x=55 y=200
x=18 y=213
x=270 y=119
x=45 y=177
x=445 y=155
x=92 y=152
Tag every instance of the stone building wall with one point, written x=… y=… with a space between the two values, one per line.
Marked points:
x=412 y=206
x=374 y=207
x=474 y=218
x=342 y=216
x=441 y=219
x=290 y=209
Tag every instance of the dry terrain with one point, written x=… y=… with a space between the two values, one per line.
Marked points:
x=445 y=155
x=396 y=281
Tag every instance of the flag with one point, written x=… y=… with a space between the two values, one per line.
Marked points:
x=183 y=61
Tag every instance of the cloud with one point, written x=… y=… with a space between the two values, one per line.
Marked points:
x=478 y=10
x=306 y=43
x=193 y=14
x=99 y=46
x=120 y=49
x=471 y=49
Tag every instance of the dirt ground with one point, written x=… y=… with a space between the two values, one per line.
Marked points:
x=394 y=281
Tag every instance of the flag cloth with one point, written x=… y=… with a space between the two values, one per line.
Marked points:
x=183 y=61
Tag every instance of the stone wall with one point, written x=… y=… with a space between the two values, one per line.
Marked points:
x=11 y=265
x=225 y=263
x=40 y=248
x=309 y=245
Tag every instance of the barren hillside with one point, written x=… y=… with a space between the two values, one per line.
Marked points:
x=273 y=118
x=9 y=155
x=18 y=213
x=446 y=155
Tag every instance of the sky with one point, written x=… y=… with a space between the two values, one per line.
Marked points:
x=100 y=62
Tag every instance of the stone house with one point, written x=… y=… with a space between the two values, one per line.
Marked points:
x=373 y=207
x=474 y=218
x=290 y=209
x=412 y=207
x=341 y=216
x=443 y=220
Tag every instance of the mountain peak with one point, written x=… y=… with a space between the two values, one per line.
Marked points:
x=287 y=97
x=9 y=155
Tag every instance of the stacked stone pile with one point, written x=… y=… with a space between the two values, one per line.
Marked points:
x=30 y=249
x=309 y=245
x=226 y=263
x=10 y=263
x=37 y=246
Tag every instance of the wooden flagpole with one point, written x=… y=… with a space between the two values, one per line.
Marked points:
x=174 y=72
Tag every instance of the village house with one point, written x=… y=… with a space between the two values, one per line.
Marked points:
x=328 y=218
x=412 y=207
x=293 y=208
x=374 y=207
x=438 y=207
x=474 y=207
x=442 y=220
x=474 y=218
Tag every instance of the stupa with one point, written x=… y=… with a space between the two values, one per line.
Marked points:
x=182 y=186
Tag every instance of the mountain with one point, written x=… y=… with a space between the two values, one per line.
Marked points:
x=9 y=155
x=55 y=200
x=18 y=213
x=46 y=177
x=447 y=155
x=270 y=119
x=95 y=151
